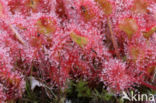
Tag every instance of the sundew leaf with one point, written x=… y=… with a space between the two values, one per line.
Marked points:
x=46 y=26
x=86 y=13
x=140 y=6
x=129 y=26
x=15 y=6
x=149 y=33
x=136 y=53
x=151 y=70
x=106 y=6
x=32 y=4
x=60 y=9
x=80 y=40
x=36 y=42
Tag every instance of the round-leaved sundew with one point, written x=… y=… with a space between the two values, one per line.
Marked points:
x=78 y=39
x=106 y=6
x=140 y=6
x=87 y=13
x=129 y=26
x=46 y=25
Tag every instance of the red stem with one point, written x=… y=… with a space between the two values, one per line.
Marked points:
x=115 y=44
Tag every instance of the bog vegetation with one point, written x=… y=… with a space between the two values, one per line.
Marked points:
x=52 y=51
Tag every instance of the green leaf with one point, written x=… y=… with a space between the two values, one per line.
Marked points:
x=80 y=40
x=46 y=26
x=83 y=89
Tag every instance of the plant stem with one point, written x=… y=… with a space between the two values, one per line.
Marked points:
x=115 y=44
x=18 y=36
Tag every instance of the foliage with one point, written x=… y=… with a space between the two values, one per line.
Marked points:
x=88 y=42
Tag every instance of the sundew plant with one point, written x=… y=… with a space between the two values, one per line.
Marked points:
x=112 y=42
